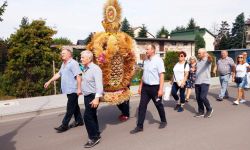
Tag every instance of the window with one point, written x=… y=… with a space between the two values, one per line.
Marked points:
x=185 y=43
x=173 y=43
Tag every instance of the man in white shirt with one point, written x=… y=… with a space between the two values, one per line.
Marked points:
x=151 y=87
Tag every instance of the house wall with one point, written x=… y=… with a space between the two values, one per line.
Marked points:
x=189 y=48
x=209 y=39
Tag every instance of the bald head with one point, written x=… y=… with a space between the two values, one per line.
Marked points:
x=224 y=54
x=202 y=53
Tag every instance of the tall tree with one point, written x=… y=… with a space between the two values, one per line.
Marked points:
x=24 y=22
x=127 y=28
x=162 y=33
x=30 y=60
x=143 y=32
x=222 y=40
x=238 y=37
x=199 y=43
x=192 y=25
x=2 y=9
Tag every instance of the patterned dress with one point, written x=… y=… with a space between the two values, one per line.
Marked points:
x=191 y=76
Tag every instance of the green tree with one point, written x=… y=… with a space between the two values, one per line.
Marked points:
x=222 y=40
x=179 y=29
x=3 y=54
x=162 y=33
x=127 y=28
x=2 y=9
x=30 y=59
x=238 y=37
x=143 y=32
x=61 y=41
x=171 y=58
x=24 y=22
x=87 y=40
x=199 y=43
x=191 y=25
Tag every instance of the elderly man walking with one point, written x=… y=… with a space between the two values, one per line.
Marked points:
x=225 y=67
x=92 y=88
x=202 y=83
x=70 y=85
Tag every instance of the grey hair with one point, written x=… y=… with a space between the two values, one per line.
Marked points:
x=192 y=57
x=88 y=54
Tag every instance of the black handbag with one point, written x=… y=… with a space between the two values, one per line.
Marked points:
x=238 y=79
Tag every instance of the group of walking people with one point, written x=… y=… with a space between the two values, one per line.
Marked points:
x=187 y=75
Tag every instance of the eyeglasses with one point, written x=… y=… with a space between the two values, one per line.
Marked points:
x=240 y=57
x=181 y=56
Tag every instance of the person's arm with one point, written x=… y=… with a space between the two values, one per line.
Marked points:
x=209 y=58
x=160 y=91
x=215 y=69
x=99 y=88
x=54 y=78
x=140 y=86
x=79 y=81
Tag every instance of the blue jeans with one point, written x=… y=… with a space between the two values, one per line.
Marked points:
x=201 y=91
x=224 y=84
x=174 y=91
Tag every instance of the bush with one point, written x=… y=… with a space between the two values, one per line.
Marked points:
x=171 y=58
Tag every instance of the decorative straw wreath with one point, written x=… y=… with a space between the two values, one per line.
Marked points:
x=113 y=52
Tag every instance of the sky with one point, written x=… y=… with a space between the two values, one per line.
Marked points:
x=75 y=19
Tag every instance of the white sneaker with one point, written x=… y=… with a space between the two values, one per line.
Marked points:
x=242 y=101
x=236 y=102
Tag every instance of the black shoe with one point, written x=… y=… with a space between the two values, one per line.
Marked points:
x=209 y=114
x=75 y=124
x=92 y=142
x=226 y=97
x=177 y=107
x=61 y=128
x=136 y=130
x=180 y=109
x=219 y=99
x=197 y=115
x=162 y=125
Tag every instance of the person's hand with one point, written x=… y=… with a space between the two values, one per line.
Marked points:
x=79 y=92
x=94 y=103
x=160 y=93
x=46 y=84
x=139 y=90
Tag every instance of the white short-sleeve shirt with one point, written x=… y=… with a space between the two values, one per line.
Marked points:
x=241 y=70
x=179 y=71
x=152 y=69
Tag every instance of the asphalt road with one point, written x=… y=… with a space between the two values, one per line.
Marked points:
x=228 y=129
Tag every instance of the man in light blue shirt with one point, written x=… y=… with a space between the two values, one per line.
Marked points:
x=92 y=88
x=70 y=85
x=151 y=87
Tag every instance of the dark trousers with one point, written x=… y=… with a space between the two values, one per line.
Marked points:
x=90 y=118
x=201 y=91
x=174 y=91
x=124 y=108
x=72 y=109
x=149 y=92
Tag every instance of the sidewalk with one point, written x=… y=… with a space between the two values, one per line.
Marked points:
x=29 y=107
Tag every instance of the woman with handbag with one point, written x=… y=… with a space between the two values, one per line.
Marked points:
x=179 y=79
x=240 y=78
